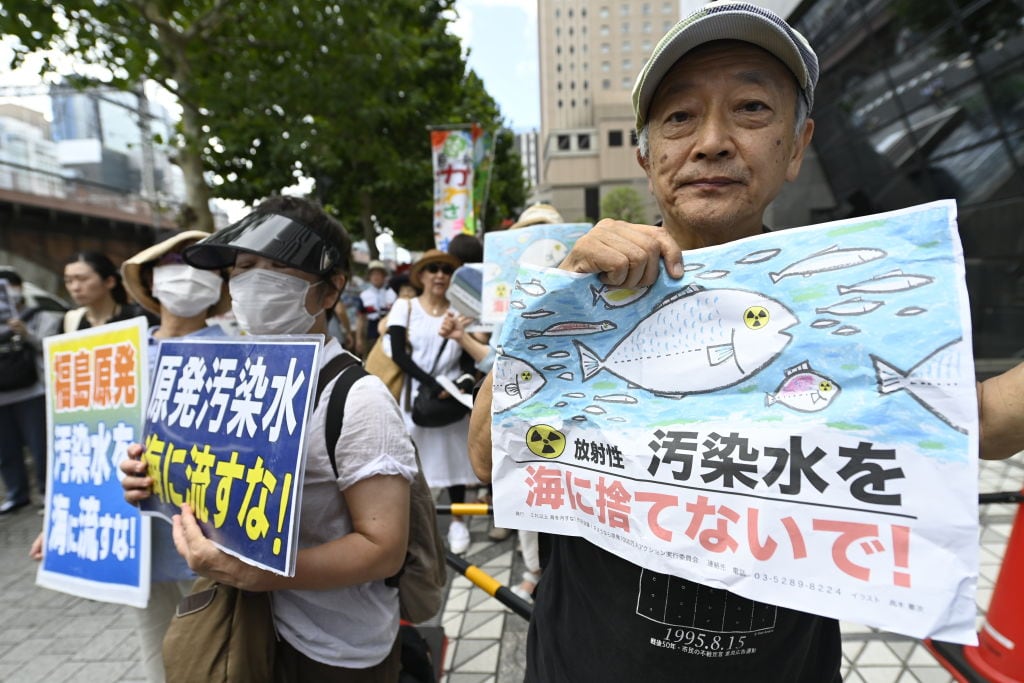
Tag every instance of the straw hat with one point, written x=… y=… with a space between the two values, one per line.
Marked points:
x=431 y=256
x=131 y=271
x=536 y=215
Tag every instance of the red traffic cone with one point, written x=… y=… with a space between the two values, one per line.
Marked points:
x=999 y=656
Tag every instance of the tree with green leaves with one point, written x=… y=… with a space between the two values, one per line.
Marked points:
x=624 y=204
x=271 y=92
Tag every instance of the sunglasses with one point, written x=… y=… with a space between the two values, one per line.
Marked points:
x=435 y=267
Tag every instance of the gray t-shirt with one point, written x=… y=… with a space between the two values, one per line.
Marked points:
x=353 y=627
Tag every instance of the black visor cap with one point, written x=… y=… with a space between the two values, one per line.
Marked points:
x=270 y=235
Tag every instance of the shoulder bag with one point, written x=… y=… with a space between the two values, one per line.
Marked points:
x=429 y=410
x=382 y=365
x=220 y=634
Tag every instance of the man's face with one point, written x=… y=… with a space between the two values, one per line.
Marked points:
x=722 y=141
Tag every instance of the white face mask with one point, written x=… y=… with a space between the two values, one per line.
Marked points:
x=269 y=302
x=186 y=291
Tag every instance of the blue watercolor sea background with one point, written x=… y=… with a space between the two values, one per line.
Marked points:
x=922 y=241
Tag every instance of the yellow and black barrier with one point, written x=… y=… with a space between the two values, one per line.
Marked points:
x=476 y=509
x=491 y=586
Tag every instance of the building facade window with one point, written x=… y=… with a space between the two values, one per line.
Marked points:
x=564 y=143
x=583 y=141
x=615 y=138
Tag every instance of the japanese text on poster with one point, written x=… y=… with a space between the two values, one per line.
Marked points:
x=96 y=544
x=225 y=433
x=795 y=420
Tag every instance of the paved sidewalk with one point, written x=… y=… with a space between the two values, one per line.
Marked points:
x=49 y=637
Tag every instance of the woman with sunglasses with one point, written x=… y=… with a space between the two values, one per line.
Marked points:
x=443 y=450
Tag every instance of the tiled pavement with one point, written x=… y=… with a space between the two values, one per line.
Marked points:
x=49 y=637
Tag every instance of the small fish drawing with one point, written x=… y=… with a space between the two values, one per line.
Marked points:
x=759 y=256
x=613 y=297
x=690 y=267
x=617 y=398
x=515 y=381
x=846 y=330
x=832 y=258
x=911 y=310
x=561 y=404
x=531 y=288
x=579 y=418
x=896 y=281
x=616 y=419
x=804 y=389
x=857 y=306
x=695 y=341
x=575 y=394
x=540 y=313
x=595 y=410
x=517 y=304
x=552 y=368
x=713 y=274
x=537 y=347
x=559 y=354
x=571 y=328
x=566 y=376
x=935 y=382
x=824 y=323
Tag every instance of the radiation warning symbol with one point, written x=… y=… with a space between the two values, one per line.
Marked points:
x=501 y=291
x=545 y=441
x=824 y=386
x=525 y=375
x=756 y=317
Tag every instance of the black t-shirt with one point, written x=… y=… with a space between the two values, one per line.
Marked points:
x=600 y=618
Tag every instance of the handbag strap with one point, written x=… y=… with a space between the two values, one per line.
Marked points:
x=437 y=358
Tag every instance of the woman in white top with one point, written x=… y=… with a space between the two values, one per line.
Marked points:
x=443 y=450
x=336 y=617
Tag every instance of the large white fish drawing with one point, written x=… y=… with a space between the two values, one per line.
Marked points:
x=531 y=288
x=803 y=388
x=515 y=381
x=697 y=340
x=936 y=382
x=832 y=258
x=896 y=281
x=547 y=253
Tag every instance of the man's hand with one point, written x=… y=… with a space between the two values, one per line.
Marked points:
x=625 y=254
x=206 y=559
x=136 y=481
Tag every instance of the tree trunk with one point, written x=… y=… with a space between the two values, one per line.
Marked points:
x=197 y=192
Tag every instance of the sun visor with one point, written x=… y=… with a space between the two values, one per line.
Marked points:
x=273 y=236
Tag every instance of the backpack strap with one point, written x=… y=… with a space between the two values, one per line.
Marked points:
x=350 y=369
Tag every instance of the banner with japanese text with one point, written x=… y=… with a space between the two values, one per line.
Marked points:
x=226 y=433
x=96 y=545
x=795 y=420
x=454 y=153
x=538 y=245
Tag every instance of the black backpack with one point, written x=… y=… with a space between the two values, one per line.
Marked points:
x=423 y=577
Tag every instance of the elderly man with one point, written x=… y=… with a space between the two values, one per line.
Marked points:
x=721 y=112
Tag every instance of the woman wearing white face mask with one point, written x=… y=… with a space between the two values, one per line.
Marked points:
x=184 y=297
x=337 y=618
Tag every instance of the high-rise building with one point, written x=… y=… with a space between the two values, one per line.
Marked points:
x=529 y=156
x=590 y=55
x=28 y=158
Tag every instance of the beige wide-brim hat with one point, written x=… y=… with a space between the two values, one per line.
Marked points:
x=430 y=256
x=131 y=271
x=538 y=214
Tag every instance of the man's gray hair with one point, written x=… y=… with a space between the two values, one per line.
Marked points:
x=643 y=139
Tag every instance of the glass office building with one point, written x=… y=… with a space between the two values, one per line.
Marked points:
x=920 y=100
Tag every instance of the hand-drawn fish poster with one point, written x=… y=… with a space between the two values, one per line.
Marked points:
x=795 y=420
x=95 y=544
x=225 y=433
x=538 y=245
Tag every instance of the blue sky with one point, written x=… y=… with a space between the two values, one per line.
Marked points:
x=501 y=37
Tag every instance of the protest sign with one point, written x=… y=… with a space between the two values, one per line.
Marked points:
x=542 y=245
x=96 y=545
x=795 y=420
x=226 y=433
